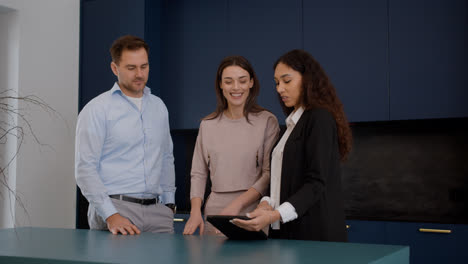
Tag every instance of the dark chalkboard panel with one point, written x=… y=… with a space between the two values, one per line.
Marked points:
x=408 y=170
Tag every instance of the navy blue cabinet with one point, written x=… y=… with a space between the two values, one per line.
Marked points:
x=461 y=240
x=195 y=39
x=349 y=39
x=199 y=34
x=388 y=59
x=262 y=31
x=372 y=232
x=101 y=23
x=428 y=43
x=429 y=242
x=179 y=222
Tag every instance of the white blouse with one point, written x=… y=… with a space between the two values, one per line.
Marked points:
x=286 y=210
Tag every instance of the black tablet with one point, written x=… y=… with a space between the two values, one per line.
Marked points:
x=221 y=222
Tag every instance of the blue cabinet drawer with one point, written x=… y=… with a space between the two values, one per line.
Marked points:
x=429 y=243
x=460 y=233
x=366 y=231
x=179 y=222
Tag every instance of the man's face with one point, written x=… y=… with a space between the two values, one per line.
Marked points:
x=132 y=72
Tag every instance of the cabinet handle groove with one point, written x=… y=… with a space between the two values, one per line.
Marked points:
x=440 y=231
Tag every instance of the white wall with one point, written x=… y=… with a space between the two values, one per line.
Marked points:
x=9 y=55
x=48 y=65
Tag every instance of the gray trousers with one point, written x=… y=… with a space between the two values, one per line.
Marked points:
x=155 y=218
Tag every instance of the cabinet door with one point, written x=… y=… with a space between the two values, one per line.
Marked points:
x=100 y=26
x=179 y=223
x=360 y=231
x=427 y=246
x=461 y=240
x=194 y=41
x=349 y=39
x=428 y=43
x=262 y=31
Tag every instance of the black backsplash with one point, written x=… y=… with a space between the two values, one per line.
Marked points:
x=408 y=171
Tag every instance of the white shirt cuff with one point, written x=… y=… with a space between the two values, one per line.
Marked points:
x=287 y=212
x=267 y=199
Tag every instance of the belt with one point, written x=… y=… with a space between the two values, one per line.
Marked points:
x=134 y=200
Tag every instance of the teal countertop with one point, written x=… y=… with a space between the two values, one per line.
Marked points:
x=46 y=245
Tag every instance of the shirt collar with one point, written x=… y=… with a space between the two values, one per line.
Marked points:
x=116 y=88
x=294 y=117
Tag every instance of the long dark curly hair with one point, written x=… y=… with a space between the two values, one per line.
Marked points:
x=318 y=92
x=251 y=105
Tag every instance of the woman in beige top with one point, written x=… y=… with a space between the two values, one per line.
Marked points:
x=233 y=147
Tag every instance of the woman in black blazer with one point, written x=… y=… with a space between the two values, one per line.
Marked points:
x=306 y=200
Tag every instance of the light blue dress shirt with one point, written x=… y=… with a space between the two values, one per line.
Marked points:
x=122 y=150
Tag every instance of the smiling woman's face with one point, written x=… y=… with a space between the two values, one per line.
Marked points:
x=288 y=85
x=236 y=83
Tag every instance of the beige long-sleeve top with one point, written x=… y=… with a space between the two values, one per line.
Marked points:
x=235 y=153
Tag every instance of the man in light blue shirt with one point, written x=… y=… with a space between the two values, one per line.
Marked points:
x=124 y=164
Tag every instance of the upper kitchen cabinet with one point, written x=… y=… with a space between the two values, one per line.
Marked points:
x=194 y=39
x=350 y=40
x=262 y=31
x=428 y=45
x=102 y=22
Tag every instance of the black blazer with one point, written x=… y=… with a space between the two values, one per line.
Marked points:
x=311 y=180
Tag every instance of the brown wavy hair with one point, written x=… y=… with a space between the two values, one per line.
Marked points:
x=127 y=42
x=251 y=105
x=318 y=92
